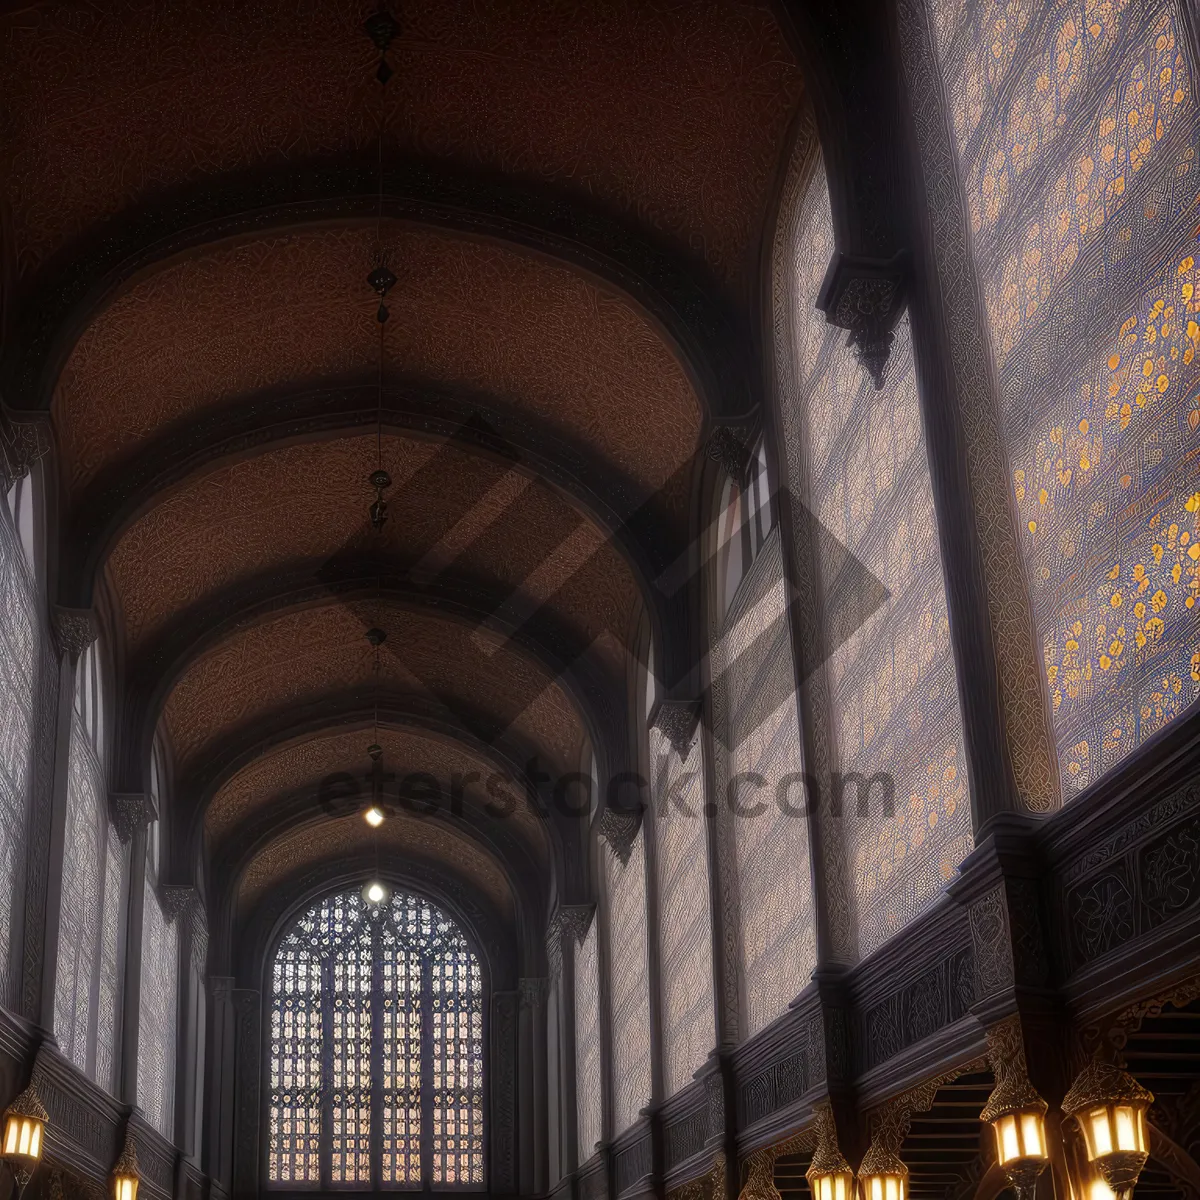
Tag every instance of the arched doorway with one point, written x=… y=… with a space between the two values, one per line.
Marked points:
x=375 y=1075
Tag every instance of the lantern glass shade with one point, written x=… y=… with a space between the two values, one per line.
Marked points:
x=1114 y=1129
x=832 y=1185
x=1020 y=1136
x=884 y=1186
x=125 y=1187
x=22 y=1137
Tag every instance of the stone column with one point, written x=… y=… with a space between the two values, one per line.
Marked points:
x=131 y=813
x=534 y=994
x=182 y=904
x=221 y=1059
x=248 y=1065
x=74 y=631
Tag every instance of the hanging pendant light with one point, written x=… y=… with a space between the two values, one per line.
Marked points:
x=1017 y=1115
x=882 y=1175
x=126 y=1174
x=830 y=1176
x=1110 y=1106
x=24 y=1135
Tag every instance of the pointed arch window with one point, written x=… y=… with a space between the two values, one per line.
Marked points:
x=376 y=1070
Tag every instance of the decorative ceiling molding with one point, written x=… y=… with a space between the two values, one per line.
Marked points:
x=295 y=820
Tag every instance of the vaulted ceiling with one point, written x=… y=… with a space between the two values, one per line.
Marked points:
x=573 y=199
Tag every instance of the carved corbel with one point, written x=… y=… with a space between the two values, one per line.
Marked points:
x=74 y=629
x=677 y=721
x=533 y=992
x=728 y=446
x=130 y=812
x=865 y=296
x=569 y=921
x=619 y=828
x=177 y=899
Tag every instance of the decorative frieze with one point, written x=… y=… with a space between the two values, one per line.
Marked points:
x=937 y=998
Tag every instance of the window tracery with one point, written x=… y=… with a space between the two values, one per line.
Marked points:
x=1084 y=198
x=376 y=1074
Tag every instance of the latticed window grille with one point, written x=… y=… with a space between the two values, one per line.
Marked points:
x=376 y=1074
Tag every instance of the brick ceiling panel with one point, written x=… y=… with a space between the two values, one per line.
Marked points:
x=301 y=658
x=303 y=504
x=671 y=113
x=294 y=310
x=349 y=836
x=301 y=766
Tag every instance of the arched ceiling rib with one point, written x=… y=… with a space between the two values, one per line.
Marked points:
x=306 y=504
x=315 y=655
x=295 y=309
x=673 y=113
x=426 y=840
x=302 y=767
x=574 y=197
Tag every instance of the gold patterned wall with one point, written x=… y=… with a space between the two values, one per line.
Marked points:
x=1078 y=131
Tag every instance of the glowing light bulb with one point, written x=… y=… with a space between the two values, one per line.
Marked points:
x=376 y=893
x=373 y=817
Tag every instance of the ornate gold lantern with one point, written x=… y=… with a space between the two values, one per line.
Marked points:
x=24 y=1133
x=830 y=1176
x=126 y=1174
x=882 y=1175
x=1110 y=1106
x=1017 y=1114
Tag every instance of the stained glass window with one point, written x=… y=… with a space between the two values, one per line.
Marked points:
x=774 y=879
x=1078 y=132
x=88 y=978
x=685 y=922
x=588 y=1095
x=19 y=634
x=858 y=455
x=376 y=1049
